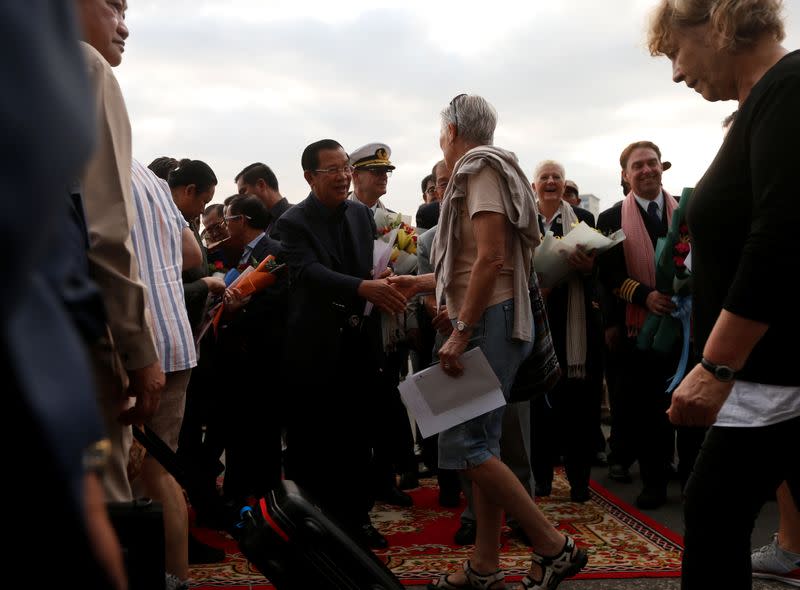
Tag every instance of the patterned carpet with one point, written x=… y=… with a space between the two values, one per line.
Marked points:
x=622 y=542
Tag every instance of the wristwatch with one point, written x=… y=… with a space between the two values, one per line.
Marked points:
x=722 y=373
x=462 y=327
x=95 y=456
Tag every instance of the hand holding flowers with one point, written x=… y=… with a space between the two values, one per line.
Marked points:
x=670 y=304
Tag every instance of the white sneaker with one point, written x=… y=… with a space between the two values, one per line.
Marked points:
x=773 y=563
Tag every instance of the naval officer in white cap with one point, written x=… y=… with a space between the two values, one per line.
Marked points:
x=371 y=171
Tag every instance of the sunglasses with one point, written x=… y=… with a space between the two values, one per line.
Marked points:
x=453 y=103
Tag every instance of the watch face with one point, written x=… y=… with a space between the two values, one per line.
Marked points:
x=720 y=372
x=724 y=373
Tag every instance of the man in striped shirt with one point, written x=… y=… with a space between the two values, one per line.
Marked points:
x=164 y=245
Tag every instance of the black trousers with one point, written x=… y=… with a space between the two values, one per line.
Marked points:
x=253 y=422
x=390 y=429
x=641 y=430
x=737 y=470
x=567 y=428
x=328 y=447
x=202 y=438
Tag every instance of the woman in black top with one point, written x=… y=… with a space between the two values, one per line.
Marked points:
x=742 y=218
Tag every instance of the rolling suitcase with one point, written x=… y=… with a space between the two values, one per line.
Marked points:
x=288 y=539
x=297 y=547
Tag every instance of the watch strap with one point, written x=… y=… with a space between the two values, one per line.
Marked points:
x=720 y=372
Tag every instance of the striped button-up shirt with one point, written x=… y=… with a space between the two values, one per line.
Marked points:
x=157 y=242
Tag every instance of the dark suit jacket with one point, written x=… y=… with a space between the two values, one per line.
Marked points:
x=428 y=215
x=258 y=330
x=613 y=269
x=275 y=213
x=324 y=282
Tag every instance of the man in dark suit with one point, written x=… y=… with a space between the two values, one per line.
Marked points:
x=258 y=179
x=640 y=429
x=251 y=339
x=328 y=244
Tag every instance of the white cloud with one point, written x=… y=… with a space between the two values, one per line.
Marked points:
x=245 y=80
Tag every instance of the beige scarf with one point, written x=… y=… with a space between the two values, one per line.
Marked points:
x=522 y=215
x=576 y=308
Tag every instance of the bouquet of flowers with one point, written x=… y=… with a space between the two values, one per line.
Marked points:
x=396 y=247
x=401 y=237
x=251 y=280
x=673 y=277
x=217 y=269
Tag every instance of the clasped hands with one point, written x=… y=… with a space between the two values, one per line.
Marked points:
x=383 y=293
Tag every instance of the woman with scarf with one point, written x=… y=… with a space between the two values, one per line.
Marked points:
x=482 y=259
x=565 y=421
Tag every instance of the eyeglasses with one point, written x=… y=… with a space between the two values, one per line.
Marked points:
x=378 y=171
x=225 y=220
x=335 y=171
x=214 y=228
x=455 y=109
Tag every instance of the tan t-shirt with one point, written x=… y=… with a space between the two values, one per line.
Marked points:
x=483 y=194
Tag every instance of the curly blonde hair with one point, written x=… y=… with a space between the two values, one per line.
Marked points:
x=736 y=24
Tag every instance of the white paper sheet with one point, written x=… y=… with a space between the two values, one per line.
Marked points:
x=438 y=401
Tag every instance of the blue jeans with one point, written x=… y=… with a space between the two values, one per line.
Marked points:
x=476 y=441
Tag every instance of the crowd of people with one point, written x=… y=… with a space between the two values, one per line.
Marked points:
x=129 y=286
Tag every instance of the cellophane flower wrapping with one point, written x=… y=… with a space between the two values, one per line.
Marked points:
x=673 y=277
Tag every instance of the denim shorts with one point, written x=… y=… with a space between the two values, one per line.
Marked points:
x=476 y=441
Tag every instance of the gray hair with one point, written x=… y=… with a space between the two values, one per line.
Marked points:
x=545 y=163
x=474 y=118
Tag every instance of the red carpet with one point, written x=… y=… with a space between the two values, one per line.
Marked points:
x=622 y=542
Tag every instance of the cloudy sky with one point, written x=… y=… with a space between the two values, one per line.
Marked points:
x=241 y=81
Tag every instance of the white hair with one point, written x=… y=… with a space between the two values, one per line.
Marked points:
x=545 y=163
x=475 y=119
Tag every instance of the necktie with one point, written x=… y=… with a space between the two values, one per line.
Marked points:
x=652 y=211
x=245 y=259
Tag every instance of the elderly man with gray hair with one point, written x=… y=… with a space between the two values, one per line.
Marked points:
x=482 y=263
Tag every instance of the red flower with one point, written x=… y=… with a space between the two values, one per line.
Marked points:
x=218 y=265
x=679 y=262
x=682 y=248
x=684 y=229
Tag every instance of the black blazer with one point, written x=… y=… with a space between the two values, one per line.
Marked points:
x=258 y=330
x=275 y=213
x=613 y=270
x=323 y=297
